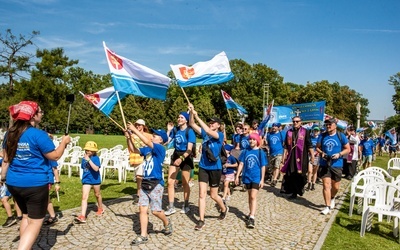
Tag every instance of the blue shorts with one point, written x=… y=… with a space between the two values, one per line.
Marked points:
x=153 y=199
x=4 y=192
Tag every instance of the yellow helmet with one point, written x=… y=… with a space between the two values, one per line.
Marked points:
x=91 y=146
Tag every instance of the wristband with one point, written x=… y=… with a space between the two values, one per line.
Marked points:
x=89 y=160
x=182 y=157
x=57 y=182
x=3 y=180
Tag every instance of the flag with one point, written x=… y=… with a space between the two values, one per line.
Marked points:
x=215 y=71
x=231 y=104
x=264 y=122
x=372 y=124
x=133 y=78
x=104 y=100
x=391 y=133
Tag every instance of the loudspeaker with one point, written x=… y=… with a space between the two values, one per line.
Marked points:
x=70 y=98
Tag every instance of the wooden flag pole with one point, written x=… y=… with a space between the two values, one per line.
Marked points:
x=184 y=93
x=120 y=107
x=230 y=118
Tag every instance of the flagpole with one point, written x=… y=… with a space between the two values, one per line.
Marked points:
x=120 y=107
x=230 y=118
x=184 y=93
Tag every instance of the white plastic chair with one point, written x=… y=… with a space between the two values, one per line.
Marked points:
x=358 y=185
x=385 y=173
x=116 y=147
x=113 y=161
x=386 y=199
x=73 y=160
x=393 y=164
x=198 y=153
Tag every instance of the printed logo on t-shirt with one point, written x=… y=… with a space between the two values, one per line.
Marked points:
x=251 y=160
x=330 y=144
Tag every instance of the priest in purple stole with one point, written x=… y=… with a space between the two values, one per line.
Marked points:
x=298 y=150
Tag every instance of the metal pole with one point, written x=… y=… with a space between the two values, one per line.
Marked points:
x=267 y=93
x=358 y=107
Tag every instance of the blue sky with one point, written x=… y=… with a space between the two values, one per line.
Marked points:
x=353 y=42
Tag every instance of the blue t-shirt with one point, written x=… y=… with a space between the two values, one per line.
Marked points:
x=368 y=146
x=235 y=139
x=381 y=141
x=180 y=140
x=153 y=160
x=244 y=142
x=230 y=170
x=30 y=168
x=89 y=176
x=253 y=161
x=330 y=145
x=52 y=164
x=215 y=146
x=314 y=141
x=275 y=142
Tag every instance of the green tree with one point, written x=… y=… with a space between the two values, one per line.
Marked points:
x=15 y=62
x=395 y=82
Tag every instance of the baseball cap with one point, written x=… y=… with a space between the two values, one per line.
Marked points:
x=214 y=119
x=228 y=147
x=162 y=133
x=276 y=124
x=141 y=122
x=185 y=114
x=315 y=127
x=330 y=121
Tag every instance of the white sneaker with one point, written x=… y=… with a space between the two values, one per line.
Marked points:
x=170 y=211
x=191 y=184
x=185 y=210
x=326 y=211
x=332 y=204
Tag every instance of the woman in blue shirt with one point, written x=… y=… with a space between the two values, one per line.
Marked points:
x=210 y=166
x=25 y=167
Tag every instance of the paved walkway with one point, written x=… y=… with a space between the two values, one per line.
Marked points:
x=280 y=224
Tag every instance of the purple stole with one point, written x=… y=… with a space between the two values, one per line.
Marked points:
x=299 y=146
x=350 y=155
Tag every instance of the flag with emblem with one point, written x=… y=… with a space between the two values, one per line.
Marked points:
x=104 y=100
x=231 y=104
x=215 y=71
x=133 y=78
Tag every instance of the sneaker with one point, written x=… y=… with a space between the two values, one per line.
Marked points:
x=170 y=211
x=332 y=204
x=50 y=221
x=312 y=187
x=10 y=221
x=100 y=212
x=273 y=183
x=250 y=223
x=222 y=215
x=135 y=199
x=326 y=211
x=168 y=229
x=199 y=225
x=308 y=188
x=185 y=210
x=139 y=240
x=191 y=184
x=80 y=219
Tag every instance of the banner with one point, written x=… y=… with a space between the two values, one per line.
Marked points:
x=104 y=100
x=133 y=78
x=231 y=104
x=308 y=112
x=215 y=71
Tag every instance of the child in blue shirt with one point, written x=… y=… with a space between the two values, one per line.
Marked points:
x=90 y=178
x=252 y=162
x=152 y=188
x=228 y=172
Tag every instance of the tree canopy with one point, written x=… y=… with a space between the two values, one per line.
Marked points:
x=54 y=75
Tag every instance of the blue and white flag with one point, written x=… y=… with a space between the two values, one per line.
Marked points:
x=215 y=71
x=105 y=99
x=264 y=122
x=372 y=124
x=392 y=134
x=231 y=104
x=133 y=78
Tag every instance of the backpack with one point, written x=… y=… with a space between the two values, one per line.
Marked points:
x=194 y=151
x=223 y=155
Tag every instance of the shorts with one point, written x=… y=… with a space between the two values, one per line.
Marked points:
x=31 y=200
x=275 y=161
x=228 y=177
x=152 y=199
x=252 y=185
x=392 y=149
x=187 y=164
x=366 y=158
x=139 y=169
x=4 y=192
x=330 y=172
x=212 y=177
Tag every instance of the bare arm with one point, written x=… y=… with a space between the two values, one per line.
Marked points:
x=238 y=173
x=202 y=124
x=142 y=137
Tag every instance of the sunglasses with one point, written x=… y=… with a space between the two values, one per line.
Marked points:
x=296 y=121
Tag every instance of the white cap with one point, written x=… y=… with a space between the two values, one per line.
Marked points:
x=141 y=122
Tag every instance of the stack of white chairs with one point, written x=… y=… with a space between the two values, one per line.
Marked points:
x=386 y=198
x=198 y=153
x=358 y=185
x=393 y=164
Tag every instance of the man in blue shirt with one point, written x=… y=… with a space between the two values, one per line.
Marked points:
x=275 y=141
x=367 y=149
